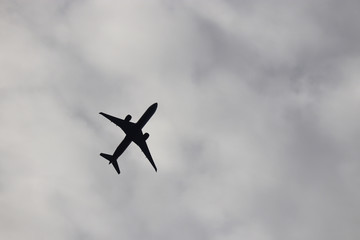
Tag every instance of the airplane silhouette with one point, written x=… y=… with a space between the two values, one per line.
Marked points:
x=133 y=134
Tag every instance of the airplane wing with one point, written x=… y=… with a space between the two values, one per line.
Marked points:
x=119 y=122
x=144 y=148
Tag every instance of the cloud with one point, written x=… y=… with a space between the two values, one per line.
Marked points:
x=255 y=136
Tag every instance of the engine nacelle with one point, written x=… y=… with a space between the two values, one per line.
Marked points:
x=128 y=118
x=146 y=136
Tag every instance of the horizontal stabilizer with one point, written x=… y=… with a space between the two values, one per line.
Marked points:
x=107 y=156
x=111 y=160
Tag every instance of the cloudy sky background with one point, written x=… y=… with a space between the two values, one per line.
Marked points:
x=256 y=135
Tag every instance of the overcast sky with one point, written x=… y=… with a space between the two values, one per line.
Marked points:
x=256 y=135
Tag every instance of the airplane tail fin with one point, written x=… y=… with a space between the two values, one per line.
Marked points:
x=111 y=160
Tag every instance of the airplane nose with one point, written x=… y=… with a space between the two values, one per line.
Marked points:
x=154 y=106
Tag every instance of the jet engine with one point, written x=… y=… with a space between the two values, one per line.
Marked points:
x=128 y=118
x=146 y=136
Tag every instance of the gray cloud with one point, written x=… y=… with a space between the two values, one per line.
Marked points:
x=255 y=136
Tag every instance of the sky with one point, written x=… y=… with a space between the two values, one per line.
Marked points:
x=256 y=135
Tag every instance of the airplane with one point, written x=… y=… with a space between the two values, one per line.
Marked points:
x=133 y=133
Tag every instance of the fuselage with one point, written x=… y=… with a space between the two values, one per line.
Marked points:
x=146 y=116
x=133 y=130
